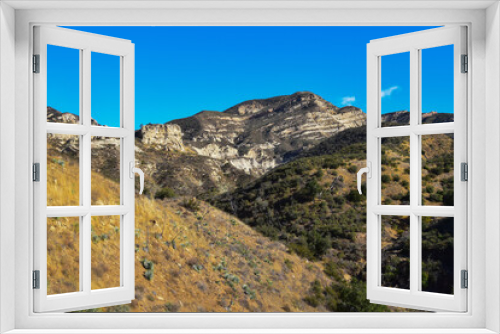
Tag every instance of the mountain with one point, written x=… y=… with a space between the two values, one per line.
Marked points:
x=285 y=234
x=56 y=116
x=214 y=152
x=244 y=141
x=217 y=151
x=399 y=118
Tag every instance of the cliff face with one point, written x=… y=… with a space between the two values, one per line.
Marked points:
x=168 y=136
x=255 y=135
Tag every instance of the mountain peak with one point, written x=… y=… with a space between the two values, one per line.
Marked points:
x=282 y=103
x=56 y=116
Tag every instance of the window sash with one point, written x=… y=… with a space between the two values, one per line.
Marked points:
x=85 y=298
x=414 y=297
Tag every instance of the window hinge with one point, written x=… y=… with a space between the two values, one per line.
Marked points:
x=36 y=172
x=36 y=63
x=465 y=279
x=36 y=279
x=464 y=171
x=465 y=64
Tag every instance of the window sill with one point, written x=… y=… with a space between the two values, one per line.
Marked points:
x=250 y=331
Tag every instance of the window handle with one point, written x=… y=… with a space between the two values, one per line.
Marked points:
x=133 y=171
x=368 y=171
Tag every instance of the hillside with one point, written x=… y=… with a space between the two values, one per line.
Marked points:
x=312 y=205
x=190 y=257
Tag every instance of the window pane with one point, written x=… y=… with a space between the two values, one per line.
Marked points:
x=395 y=166
x=396 y=252
x=437 y=84
x=395 y=90
x=63 y=85
x=63 y=170
x=63 y=255
x=437 y=254
x=105 y=171
x=105 y=89
x=105 y=252
x=437 y=169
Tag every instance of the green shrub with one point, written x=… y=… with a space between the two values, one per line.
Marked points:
x=352 y=169
x=332 y=270
x=165 y=193
x=171 y=307
x=309 y=192
x=191 y=204
x=319 y=174
x=355 y=196
x=249 y=292
x=352 y=298
x=288 y=264
x=436 y=197
x=148 y=274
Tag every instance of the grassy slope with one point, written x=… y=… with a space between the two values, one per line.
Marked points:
x=187 y=260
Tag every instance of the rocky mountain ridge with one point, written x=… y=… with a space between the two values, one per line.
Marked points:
x=217 y=151
x=254 y=135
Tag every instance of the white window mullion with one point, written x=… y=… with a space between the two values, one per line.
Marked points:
x=104 y=131
x=127 y=102
x=66 y=129
x=85 y=166
x=85 y=260
x=394 y=131
x=81 y=219
x=124 y=173
x=406 y=210
x=40 y=156
x=434 y=129
x=373 y=252
x=460 y=156
x=414 y=170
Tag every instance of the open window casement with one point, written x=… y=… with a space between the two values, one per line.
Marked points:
x=400 y=275
x=82 y=214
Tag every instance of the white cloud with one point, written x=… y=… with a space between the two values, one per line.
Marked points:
x=388 y=91
x=348 y=100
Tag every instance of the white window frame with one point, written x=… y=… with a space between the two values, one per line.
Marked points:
x=85 y=297
x=484 y=49
x=414 y=43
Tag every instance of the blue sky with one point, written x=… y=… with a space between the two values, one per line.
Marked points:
x=183 y=70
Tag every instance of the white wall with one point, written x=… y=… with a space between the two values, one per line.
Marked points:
x=492 y=163
x=7 y=159
x=486 y=109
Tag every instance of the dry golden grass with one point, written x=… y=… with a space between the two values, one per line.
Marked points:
x=105 y=252
x=62 y=255
x=63 y=181
x=186 y=261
